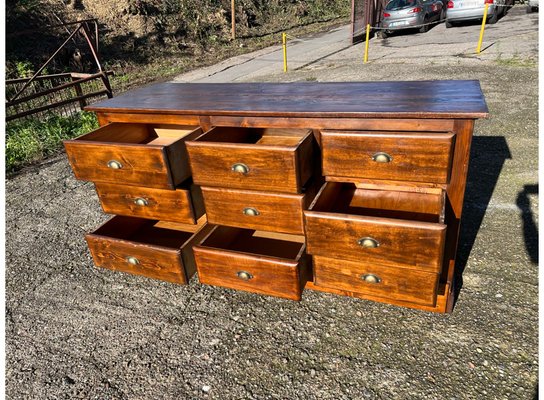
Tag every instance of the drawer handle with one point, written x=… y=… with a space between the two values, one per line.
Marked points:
x=251 y=212
x=114 y=164
x=240 y=168
x=244 y=275
x=132 y=260
x=371 y=278
x=140 y=201
x=382 y=158
x=368 y=243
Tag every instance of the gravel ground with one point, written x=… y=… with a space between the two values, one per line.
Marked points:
x=74 y=331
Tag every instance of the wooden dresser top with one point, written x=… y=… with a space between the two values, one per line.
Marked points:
x=414 y=99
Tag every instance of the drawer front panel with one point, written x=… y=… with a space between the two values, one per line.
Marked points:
x=382 y=281
x=252 y=273
x=180 y=205
x=254 y=210
x=273 y=170
x=417 y=157
x=132 y=164
x=150 y=261
x=376 y=240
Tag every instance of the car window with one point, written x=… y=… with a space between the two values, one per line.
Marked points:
x=397 y=4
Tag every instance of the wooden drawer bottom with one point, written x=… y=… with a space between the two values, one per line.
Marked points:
x=150 y=248
x=253 y=261
x=376 y=280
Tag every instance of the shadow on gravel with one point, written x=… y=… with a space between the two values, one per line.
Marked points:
x=530 y=230
x=487 y=157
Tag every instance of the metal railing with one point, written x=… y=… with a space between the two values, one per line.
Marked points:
x=64 y=93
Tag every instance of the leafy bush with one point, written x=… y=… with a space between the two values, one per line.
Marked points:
x=32 y=139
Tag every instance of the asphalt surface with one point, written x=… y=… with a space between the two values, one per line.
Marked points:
x=74 y=331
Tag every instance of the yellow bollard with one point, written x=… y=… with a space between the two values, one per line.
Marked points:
x=479 y=48
x=284 y=38
x=366 y=44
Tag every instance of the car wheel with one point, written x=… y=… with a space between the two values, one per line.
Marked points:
x=449 y=24
x=425 y=27
x=382 y=34
x=493 y=19
x=529 y=9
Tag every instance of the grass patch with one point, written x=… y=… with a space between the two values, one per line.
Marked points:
x=30 y=140
x=516 y=61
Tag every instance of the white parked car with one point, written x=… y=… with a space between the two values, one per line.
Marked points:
x=467 y=10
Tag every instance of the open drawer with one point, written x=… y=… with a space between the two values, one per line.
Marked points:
x=184 y=204
x=386 y=227
x=133 y=154
x=258 y=262
x=150 y=248
x=277 y=160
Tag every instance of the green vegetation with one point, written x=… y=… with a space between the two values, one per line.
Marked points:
x=516 y=61
x=29 y=140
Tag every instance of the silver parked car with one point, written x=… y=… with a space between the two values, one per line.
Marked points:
x=467 y=10
x=405 y=14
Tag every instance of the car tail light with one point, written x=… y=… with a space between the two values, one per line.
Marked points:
x=414 y=10
x=488 y=2
x=450 y=4
x=385 y=15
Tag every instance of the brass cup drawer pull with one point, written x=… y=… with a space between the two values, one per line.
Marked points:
x=251 y=212
x=244 y=275
x=140 y=201
x=132 y=260
x=240 y=168
x=371 y=278
x=368 y=243
x=382 y=158
x=114 y=164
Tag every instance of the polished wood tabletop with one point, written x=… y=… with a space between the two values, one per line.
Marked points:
x=411 y=99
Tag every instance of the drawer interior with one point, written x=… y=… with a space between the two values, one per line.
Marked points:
x=346 y=198
x=162 y=135
x=143 y=231
x=255 y=242
x=257 y=136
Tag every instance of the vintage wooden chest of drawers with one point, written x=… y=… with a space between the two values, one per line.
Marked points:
x=351 y=188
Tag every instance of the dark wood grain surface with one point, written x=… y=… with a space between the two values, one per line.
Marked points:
x=417 y=99
x=416 y=157
x=184 y=205
x=397 y=283
x=333 y=230
x=272 y=167
x=278 y=212
x=280 y=270
x=161 y=253
x=147 y=156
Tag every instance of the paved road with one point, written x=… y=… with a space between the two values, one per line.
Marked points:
x=270 y=60
x=513 y=36
x=74 y=331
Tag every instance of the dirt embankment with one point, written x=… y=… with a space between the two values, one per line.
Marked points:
x=140 y=32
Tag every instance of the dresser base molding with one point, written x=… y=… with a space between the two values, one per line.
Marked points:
x=442 y=299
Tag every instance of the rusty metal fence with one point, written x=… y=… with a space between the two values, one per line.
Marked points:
x=62 y=93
